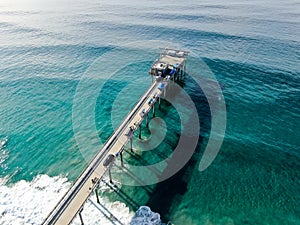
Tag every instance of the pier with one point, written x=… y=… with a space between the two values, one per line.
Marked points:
x=170 y=67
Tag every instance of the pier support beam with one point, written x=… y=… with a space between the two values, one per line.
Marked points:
x=153 y=107
x=109 y=174
x=97 y=196
x=80 y=216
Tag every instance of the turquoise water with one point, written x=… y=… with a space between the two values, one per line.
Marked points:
x=252 y=47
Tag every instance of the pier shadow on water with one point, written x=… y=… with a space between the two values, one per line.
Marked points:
x=170 y=191
x=160 y=197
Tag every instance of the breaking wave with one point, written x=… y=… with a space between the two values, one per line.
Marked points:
x=29 y=202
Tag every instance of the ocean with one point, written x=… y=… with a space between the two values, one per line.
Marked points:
x=252 y=49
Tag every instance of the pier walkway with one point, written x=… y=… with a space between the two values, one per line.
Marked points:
x=72 y=202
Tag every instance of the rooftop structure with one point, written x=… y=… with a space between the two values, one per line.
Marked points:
x=171 y=61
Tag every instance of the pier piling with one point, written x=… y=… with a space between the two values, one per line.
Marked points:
x=97 y=196
x=81 y=219
x=147 y=120
x=121 y=156
x=109 y=174
x=140 y=132
x=131 y=149
x=159 y=102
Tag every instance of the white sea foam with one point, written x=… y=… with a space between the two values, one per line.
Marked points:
x=3 y=142
x=30 y=202
x=145 y=216
x=3 y=152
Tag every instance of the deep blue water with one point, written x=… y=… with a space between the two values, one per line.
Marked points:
x=251 y=47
